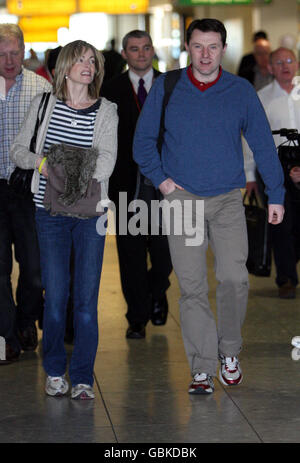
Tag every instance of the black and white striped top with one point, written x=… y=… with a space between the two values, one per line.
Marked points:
x=70 y=126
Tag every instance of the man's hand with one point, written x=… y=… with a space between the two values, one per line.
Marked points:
x=168 y=186
x=251 y=186
x=276 y=213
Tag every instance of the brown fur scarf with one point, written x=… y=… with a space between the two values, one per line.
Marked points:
x=79 y=165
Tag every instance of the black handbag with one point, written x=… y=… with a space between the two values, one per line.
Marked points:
x=20 y=179
x=259 y=260
x=289 y=156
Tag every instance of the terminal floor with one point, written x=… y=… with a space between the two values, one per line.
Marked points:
x=141 y=385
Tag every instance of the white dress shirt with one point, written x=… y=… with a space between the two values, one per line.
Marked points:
x=282 y=110
x=148 y=80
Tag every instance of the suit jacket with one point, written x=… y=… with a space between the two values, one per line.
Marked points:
x=246 y=67
x=124 y=178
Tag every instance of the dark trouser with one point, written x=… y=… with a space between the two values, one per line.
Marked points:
x=17 y=227
x=141 y=284
x=285 y=237
x=286 y=243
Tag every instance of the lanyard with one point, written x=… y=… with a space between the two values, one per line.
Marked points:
x=136 y=98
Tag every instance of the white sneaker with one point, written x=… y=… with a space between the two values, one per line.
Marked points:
x=82 y=392
x=201 y=384
x=230 y=372
x=56 y=386
x=296 y=351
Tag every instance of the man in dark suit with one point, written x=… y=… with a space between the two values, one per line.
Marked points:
x=144 y=288
x=248 y=61
x=254 y=66
x=114 y=62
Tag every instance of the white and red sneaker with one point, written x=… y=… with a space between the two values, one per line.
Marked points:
x=230 y=372
x=202 y=384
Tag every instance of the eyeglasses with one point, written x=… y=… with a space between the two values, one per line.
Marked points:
x=287 y=61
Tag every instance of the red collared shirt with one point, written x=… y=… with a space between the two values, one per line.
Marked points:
x=202 y=85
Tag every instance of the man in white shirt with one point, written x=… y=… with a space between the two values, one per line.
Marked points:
x=143 y=289
x=283 y=111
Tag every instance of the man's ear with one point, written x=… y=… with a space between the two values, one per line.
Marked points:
x=123 y=55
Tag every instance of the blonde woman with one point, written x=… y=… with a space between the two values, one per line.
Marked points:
x=75 y=116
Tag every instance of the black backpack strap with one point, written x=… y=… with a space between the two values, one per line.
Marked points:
x=169 y=83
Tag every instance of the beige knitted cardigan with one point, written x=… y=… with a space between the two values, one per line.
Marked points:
x=104 y=140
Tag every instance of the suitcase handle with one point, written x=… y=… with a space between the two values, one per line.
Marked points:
x=252 y=200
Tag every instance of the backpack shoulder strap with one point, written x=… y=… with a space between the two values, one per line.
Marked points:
x=170 y=81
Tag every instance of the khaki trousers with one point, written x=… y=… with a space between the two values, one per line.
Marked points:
x=225 y=231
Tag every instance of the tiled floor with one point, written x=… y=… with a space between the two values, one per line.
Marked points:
x=141 y=385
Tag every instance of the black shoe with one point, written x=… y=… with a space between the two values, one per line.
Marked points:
x=159 y=311
x=10 y=355
x=28 y=338
x=287 y=291
x=136 y=331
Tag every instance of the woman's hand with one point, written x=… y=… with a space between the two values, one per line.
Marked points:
x=43 y=170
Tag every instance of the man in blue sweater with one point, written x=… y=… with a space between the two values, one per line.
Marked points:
x=202 y=162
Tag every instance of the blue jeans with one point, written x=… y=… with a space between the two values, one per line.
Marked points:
x=56 y=235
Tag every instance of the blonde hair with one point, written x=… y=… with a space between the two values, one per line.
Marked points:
x=67 y=57
x=9 y=30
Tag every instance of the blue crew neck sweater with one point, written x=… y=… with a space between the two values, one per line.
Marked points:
x=202 y=149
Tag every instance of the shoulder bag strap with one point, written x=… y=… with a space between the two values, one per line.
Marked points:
x=43 y=104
